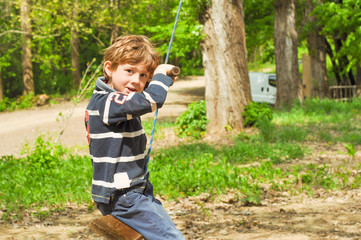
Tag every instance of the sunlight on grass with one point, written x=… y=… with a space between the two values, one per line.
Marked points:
x=49 y=176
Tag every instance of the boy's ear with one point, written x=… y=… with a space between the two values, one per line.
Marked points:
x=107 y=68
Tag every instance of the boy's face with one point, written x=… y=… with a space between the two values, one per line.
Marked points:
x=127 y=78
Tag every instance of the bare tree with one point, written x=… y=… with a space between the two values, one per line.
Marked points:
x=316 y=45
x=28 y=81
x=225 y=65
x=289 y=84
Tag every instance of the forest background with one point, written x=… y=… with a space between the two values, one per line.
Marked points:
x=61 y=40
x=289 y=172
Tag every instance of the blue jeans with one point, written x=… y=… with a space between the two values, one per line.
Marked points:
x=142 y=212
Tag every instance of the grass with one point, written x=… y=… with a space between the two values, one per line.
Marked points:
x=49 y=176
x=321 y=120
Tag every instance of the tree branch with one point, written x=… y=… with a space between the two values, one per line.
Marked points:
x=12 y=31
x=34 y=36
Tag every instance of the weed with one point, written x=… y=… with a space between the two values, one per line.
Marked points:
x=267 y=129
x=255 y=111
x=45 y=154
x=350 y=150
x=193 y=122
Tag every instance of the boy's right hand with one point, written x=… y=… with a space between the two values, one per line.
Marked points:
x=166 y=69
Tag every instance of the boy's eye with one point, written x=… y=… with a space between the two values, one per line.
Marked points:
x=129 y=70
x=143 y=75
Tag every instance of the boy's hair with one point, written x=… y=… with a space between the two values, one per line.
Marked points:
x=131 y=49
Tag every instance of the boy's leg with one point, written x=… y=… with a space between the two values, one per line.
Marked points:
x=146 y=215
x=110 y=227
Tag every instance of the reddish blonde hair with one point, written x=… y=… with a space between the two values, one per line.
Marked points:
x=131 y=49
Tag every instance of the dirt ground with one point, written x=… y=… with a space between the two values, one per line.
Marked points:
x=325 y=215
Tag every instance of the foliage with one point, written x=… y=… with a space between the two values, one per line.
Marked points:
x=350 y=150
x=259 y=17
x=255 y=111
x=22 y=102
x=55 y=22
x=186 y=48
x=193 y=121
x=45 y=153
x=342 y=21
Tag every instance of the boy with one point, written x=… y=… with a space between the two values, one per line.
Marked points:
x=117 y=142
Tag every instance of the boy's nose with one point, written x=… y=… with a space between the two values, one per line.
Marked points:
x=135 y=79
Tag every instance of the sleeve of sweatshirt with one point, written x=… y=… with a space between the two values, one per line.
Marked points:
x=116 y=107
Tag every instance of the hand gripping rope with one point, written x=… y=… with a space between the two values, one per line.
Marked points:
x=166 y=61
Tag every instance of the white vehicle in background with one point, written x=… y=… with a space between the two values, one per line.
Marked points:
x=263 y=87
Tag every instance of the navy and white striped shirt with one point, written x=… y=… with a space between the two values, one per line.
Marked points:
x=117 y=142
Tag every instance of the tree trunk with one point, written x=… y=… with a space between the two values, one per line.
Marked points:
x=1 y=86
x=28 y=81
x=358 y=74
x=75 y=65
x=335 y=67
x=289 y=84
x=74 y=42
x=316 y=45
x=114 y=34
x=358 y=79
x=225 y=65
x=347 y=78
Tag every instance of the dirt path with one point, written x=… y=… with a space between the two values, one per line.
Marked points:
x=20 y=126
x=325 y=215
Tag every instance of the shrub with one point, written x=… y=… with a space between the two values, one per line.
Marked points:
x=254 y=112
x=193 y=121
x=45 y=154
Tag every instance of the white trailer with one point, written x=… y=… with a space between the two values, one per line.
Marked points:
x=263 y=87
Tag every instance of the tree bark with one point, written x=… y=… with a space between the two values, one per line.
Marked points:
x=75 y=64
x=27 y=66
x=1 y=86
x=225 y=65
x=316 y=45
x=114 y=34
x=358 y=74
x=335 y=68
x=347 y=78
x=358 y=79
x=289 y=84
x=74 y=42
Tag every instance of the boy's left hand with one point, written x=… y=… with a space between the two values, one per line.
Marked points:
x=166 y=69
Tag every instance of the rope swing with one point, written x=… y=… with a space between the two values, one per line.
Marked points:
x=165 y=62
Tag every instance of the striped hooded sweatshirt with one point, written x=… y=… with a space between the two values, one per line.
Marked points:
x=117 y=141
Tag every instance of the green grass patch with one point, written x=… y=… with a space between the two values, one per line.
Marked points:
x=316 y=120
x=191 y=169
x=160 y=126
x=47 y=177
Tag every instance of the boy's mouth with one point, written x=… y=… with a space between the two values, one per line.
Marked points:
x=131 y=89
